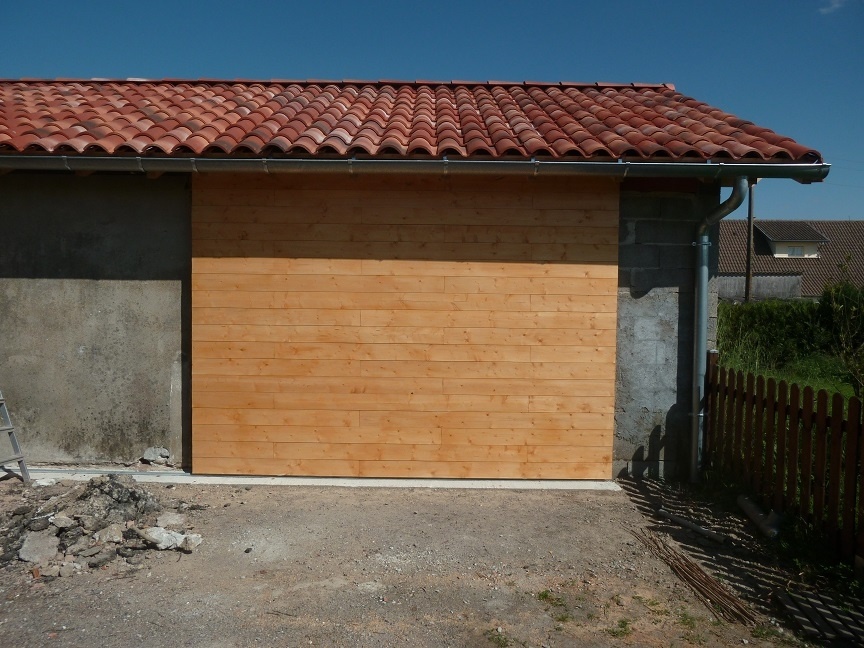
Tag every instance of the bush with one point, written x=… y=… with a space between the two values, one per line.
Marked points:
x=769 y=334
x=841 y=315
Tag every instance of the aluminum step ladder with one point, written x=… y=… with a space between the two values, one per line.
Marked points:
x=17 y=456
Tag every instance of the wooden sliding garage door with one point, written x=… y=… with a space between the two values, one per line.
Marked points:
x=391 y=327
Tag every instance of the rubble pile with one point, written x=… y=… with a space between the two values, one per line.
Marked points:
x=91 y=525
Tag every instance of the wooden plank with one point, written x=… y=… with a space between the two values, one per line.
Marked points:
x=720 y=430
x=485 y=470
x=852 y=474
x=405 y=334
x=561 y=353
x=807 y=401
x=793 y=466
x=322 y=385
x=316 y=434
x=565 y=453
x=238 y=449
x=271 y=317
x=409 y=352
x=400 y=452
x=514 y=285
x=759 y=444
x=577 y=438
x=569 y=404
x=226 y=399
x=279 y=266
x=355 y=232
x=782 y=432
x=347 y=284
x=402 y=402
x=729 y=432
x=415 y=267
x=740 y=399
x=485 y=420
x=820 y=455
x=279 y=367
x=859 y=540
x=574 y=303
x=347 y=213
x=533 y=370
x=770 y=434
x=835 y=476
x=745 y=472
x=277 y=467
x=515 y=386
x=467 y=319
x=324 y=418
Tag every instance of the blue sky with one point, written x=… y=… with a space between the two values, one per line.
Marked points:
x=795 y=66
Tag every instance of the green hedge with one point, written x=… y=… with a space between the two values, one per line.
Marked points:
x=770 y=333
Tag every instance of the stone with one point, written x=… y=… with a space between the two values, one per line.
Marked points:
x=52 y=571
x=38 y=524
x=62 y=522
x=171 y=519
x=111 y=533
x=92 y=551
x=69 y=569
x=90 y=522
x=81 y=545
x=156 y=455
x=39 y=547
x=164 y=539
x=102 y=558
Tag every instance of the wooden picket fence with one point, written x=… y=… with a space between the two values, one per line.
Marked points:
x=800 y=451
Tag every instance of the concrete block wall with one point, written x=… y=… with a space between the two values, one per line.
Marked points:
x=655 y=326
x=94 y=292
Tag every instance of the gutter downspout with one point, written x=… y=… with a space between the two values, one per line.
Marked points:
x=700 y=333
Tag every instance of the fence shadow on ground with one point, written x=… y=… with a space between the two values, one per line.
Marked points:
x=743 y=561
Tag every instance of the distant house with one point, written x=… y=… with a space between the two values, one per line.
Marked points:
x=791 y=259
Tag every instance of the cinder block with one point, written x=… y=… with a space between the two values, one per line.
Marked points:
x=642 y=280
x=665 y=232
x=638 y=256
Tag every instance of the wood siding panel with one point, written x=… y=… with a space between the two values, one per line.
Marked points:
x=419 y=327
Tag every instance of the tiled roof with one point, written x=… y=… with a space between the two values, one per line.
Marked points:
x=381 y=119
x=844 y=246
x=798 y=231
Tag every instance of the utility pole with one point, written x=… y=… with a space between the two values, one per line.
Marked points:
x=751 y=216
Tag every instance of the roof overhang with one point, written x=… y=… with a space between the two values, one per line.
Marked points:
x=710 y=170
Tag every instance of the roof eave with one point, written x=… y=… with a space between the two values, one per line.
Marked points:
x=711 y=170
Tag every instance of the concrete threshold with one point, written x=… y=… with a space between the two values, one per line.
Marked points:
x=44 y=475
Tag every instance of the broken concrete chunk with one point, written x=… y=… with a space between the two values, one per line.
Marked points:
x=39 y=547
x=171 y=519
x=111 y=533
x=164 y=539
x=61 y=521
x=156 y=456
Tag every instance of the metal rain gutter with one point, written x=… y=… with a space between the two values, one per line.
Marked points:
x=803 y=172
x=700 y=325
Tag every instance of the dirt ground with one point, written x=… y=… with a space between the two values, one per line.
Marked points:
x=325 y=566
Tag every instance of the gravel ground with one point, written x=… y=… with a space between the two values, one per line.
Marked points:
x=309 y=566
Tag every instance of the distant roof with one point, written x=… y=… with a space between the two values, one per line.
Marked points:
x=797 y=231
x=486 y=120
x=843 y=245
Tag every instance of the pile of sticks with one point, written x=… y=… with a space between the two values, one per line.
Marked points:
x=722 y=603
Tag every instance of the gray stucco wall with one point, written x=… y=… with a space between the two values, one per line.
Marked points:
x=763 y=287
x=94 y=299
x=655 y=328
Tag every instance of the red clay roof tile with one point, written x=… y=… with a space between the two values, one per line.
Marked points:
x=308 y=118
